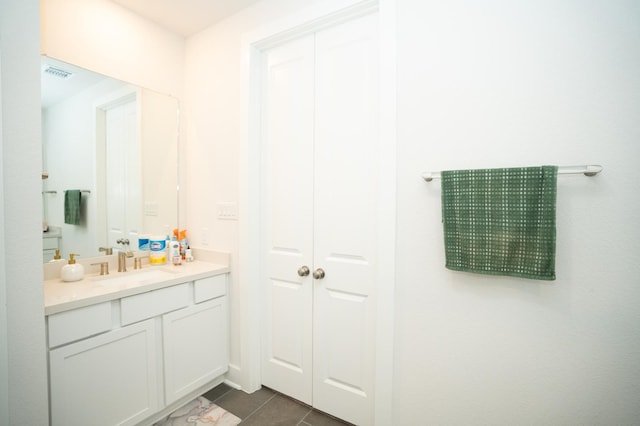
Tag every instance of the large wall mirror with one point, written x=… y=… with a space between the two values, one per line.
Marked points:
x=118 y=145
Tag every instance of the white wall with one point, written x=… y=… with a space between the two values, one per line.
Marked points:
x=4 y=362
x=23 y=394
x=509 y=83
x=104 y=37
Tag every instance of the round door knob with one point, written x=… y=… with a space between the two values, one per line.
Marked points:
x=303 y=271
x=318 y=274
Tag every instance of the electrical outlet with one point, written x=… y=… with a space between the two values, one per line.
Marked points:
x=204 y=240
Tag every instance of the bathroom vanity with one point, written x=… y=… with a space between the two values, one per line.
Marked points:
x=129 y=348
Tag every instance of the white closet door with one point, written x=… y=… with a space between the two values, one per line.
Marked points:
x=287 y=129
x=319 y=141
x=123 y=179
x=345 y=225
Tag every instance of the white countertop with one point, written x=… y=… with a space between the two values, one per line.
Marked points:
x=61 y=296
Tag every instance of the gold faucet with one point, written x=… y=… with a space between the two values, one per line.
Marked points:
x=122 y=255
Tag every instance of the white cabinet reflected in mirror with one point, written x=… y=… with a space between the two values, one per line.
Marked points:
x=118 y=144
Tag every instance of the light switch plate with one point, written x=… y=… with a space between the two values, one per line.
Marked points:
x=227 y=210
x=151 y=209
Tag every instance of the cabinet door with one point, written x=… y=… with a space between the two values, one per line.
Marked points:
x=109 y=379
x=195 y=347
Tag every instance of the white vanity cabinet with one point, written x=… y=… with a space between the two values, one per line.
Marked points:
x=129 y=360
x=109 y=379
x=192 y=355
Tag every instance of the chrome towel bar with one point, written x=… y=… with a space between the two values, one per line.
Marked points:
x=587 y=170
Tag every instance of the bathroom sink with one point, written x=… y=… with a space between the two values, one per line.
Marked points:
x=135 y=276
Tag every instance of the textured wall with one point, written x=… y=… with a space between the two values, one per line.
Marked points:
x=21 y=271
x=514 y=83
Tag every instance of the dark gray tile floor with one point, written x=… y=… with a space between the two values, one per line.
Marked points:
x=268 y=408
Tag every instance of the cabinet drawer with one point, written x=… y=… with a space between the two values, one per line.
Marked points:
x=142 y=306
x=79 y=323
x=210 y=288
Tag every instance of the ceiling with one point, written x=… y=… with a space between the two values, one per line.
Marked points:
x=55 y=88
x=185 y=17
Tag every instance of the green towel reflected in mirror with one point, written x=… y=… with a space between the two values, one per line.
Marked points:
x=72 y=206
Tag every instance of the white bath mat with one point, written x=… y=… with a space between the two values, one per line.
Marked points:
x=200 y=412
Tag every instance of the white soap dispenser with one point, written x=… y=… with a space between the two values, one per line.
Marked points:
x=72 y=271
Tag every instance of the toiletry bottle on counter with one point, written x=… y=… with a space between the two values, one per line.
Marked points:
x=176 y=258
x=143 y=243
x=72 y=271
x=183 y=244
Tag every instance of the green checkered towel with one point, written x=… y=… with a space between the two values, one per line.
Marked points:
x=501 y=221
x=72 y=200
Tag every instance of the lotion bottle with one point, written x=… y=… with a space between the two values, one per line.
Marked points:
x=72 y=271
x=176 y=259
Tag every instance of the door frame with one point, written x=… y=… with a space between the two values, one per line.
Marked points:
x=321 y=15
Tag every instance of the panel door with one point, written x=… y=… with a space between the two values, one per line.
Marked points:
x=194 y=347
x=110 y=379
x=123 y=183
x=319 y=127
x=287 y=129
x=345 y=219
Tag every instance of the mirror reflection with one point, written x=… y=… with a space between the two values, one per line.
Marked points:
x=110 y=159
